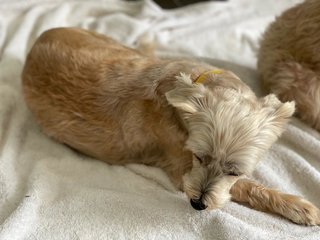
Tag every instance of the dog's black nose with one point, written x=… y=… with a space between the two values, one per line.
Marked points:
x=197 y=204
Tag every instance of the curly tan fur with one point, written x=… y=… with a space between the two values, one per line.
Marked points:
x=289 y=59
x=118 y=105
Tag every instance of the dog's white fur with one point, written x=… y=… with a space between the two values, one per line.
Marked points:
x=228 y=130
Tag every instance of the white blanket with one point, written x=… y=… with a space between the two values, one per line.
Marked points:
x=47 y=191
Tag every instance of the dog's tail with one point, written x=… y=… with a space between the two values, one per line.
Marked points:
x=292 y=81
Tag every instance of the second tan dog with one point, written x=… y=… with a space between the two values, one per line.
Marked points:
x=289 y=59
x=202 y=125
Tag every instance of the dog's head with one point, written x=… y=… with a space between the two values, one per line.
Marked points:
x=229 y=129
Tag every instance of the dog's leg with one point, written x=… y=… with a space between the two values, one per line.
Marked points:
x=292 y=207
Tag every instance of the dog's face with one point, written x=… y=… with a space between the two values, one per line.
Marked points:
x=229 y=129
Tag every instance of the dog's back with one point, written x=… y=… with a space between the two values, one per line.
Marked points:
x=75 y=83
x=289 y=59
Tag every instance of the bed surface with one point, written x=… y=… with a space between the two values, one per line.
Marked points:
x=47 y=191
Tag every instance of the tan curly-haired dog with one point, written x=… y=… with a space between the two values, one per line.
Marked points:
x=289 y=59
x=202 y=125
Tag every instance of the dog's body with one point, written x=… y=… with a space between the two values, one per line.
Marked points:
x=289 y=59
x=123 y=118
x=204 y=127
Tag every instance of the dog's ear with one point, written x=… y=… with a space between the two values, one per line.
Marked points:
x=279 y=113
x=266 y=125
x=185 y=96
x=282 y=111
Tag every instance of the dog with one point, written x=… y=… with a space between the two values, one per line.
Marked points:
x=289 y=59
x=201 y=124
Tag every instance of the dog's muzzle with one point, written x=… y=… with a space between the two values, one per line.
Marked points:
x=197 y=204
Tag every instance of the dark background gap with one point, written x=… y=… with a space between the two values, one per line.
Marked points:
x=169 y=4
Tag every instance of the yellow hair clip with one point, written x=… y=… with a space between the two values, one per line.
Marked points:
x=202 y=77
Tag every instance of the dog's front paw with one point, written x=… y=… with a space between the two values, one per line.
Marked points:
x=299 y=210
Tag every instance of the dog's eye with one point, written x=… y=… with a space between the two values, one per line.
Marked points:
x=199 y=158
x=233 y=174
